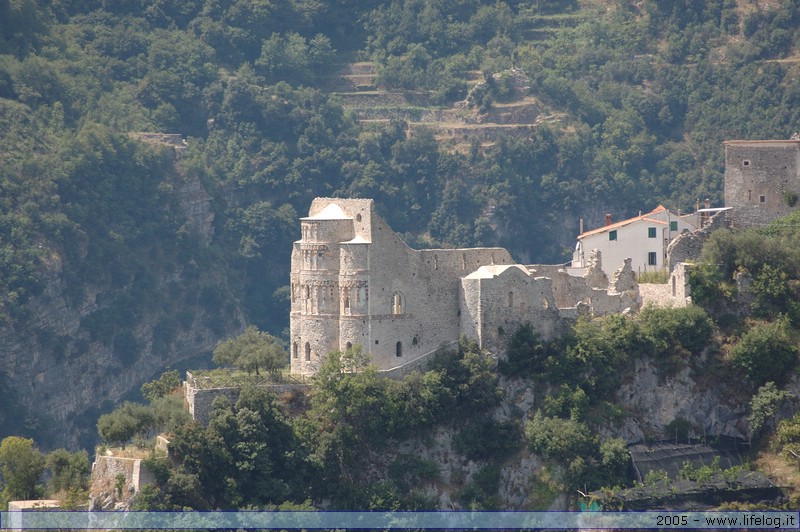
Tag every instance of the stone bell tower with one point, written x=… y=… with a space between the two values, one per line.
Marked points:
x=329 y=281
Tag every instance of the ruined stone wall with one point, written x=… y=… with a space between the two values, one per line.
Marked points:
x=688 y=245
x=428 y=284
x=568 y=290
x=508 y=297
x=199 y=399
x=104 y=480
x=418 y=364
x=675 y=293
x=760 y=177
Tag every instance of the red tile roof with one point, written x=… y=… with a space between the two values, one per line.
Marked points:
x=642 y=217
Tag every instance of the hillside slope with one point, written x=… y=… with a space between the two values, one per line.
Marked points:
x=620 y=106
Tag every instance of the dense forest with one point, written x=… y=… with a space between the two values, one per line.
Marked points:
x=648 y=92
x=642 y=95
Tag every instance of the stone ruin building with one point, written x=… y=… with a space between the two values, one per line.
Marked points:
x=355 y=282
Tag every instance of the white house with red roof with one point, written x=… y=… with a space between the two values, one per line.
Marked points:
x=644 y=239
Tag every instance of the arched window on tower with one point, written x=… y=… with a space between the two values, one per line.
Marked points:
x=398 y=349
x=308 y=351
x=295 y=353
x=511 y=299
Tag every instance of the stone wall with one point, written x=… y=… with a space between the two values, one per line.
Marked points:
x=676 y=292
x=688 y=245
x=104 y=493
x=200 y=398
x=499 y=299
x=760 y=179
x=592 y=288
x=418 y=364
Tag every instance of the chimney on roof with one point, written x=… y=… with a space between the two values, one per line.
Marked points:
x=608 y=218
x=708 y=203
x=581 y=227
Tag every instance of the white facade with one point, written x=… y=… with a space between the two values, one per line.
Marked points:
x=644 y=239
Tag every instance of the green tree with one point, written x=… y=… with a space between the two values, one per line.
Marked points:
x=22 y=466
x=125 y=422
x=168 y=382
x=561 y=439
x=766 y=352
x=252 y=351
x=764 y=406
x=68 y=471
x=526 y=354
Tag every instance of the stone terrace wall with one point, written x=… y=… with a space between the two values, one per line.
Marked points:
x=200 y=399
x=104 y=480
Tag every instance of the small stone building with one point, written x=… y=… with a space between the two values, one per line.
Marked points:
x=355 y=282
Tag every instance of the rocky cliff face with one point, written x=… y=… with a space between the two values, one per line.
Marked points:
x=649 y=400
x=73 y=358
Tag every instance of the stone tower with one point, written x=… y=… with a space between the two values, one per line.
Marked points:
x=329 y=281
x=762 y=180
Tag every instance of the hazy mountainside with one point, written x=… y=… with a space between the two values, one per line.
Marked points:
x=111 y=265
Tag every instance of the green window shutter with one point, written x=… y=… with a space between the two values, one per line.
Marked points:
x=673 y=226
x=651 y=232
x=612 y=235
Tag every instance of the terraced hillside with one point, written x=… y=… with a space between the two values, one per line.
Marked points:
x=458 y=124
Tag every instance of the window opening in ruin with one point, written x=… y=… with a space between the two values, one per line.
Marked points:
x=612 y=235
x=511 y=299
x=674 y=288
x=358 y=217
x=397 y=303
x=398 y=349
x=463 y=261
x=435 y=262
x=762 y=199
x=652 y=257
x=295 y=353
x=308 y=351
x=651 y=232
x=745 y=163
x=347 y=304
